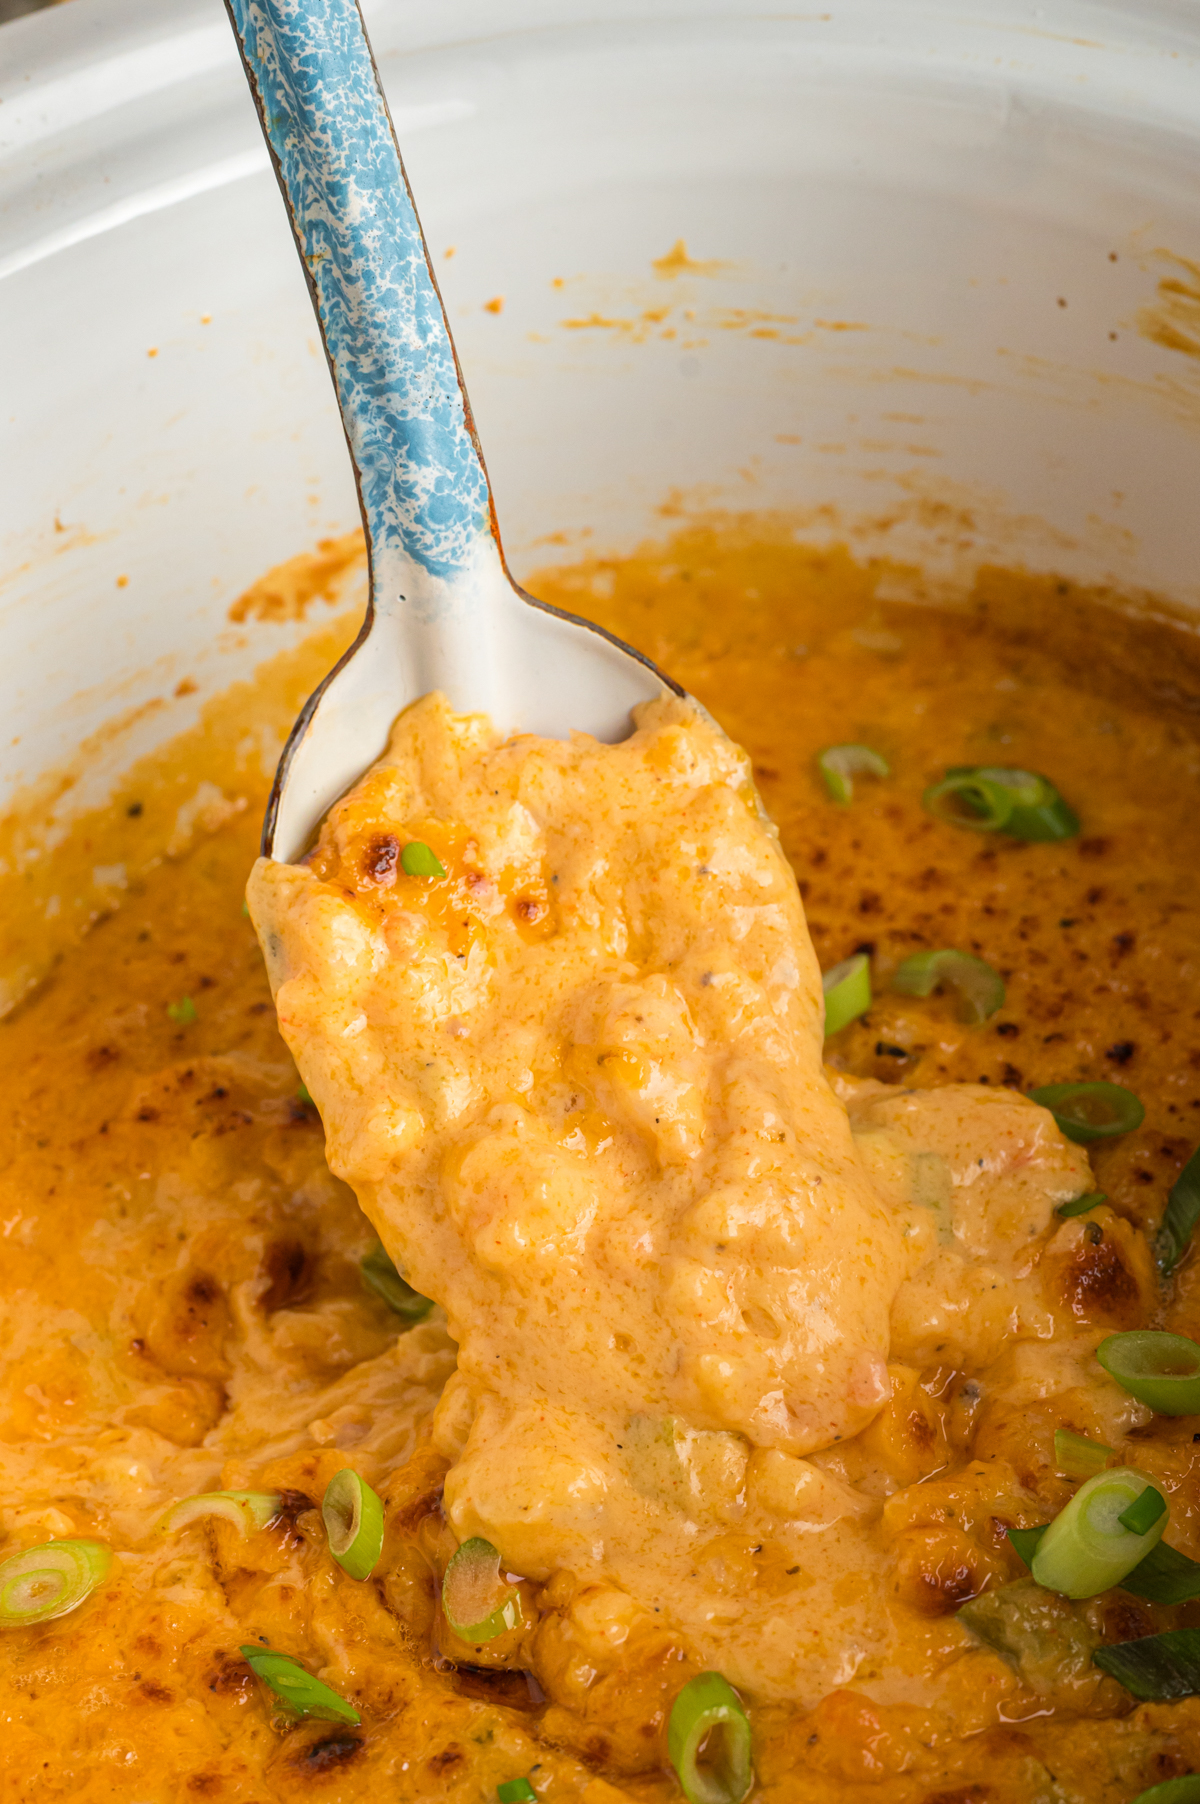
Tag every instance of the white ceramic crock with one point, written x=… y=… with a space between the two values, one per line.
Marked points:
x=942 y=290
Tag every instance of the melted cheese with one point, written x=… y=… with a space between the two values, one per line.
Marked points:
x=577 y=1085
x=181 y=1304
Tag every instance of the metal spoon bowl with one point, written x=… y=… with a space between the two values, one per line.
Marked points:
x=443 y=611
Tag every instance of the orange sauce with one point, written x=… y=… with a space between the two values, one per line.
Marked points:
x=181 y=1306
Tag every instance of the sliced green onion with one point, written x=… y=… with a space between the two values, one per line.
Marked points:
x=419 y=860
x=708 y=1740
x=183 y=1013
x=980 y=989
x=1144 y=1512
x=1082 y=1205
x=966 y=800
x=1165 y=1576
x=516 y=1791
x=353 y=1517
x=478 y=1603
x=296 y=1688
x=248 y=1511
x=1182 y=1214
x=1161 y=1370
x=48 y=1581
x=1086 y=1112
x=1087 y=1548
x=1184 y=1790
x=1077 y=1457
x=1036 y=811
x=840 y=764
x=847 y=990
x=381 y=1276
x=1158 y=1668
x=1025 y=1541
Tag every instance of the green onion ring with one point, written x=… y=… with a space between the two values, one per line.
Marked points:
x=1075 y=1456
x=247 y=1511
x=967 y=800
x=1161 y=1370
x=1082 y=1205
x=381 y=1276
x=477 y=1602
x=991 y=798
x=419 y=860
x=1038 y=811
x=707 y=1720
x=297 y=1689
x=516 y=1791
x=980 y=989
x=1085 y=1112
x=1184 y=1790
x=48 y=1581
x=1181 y=1215
x=353 y=1517
x=840 y=764
x=847 y=990
x=1087 y=1548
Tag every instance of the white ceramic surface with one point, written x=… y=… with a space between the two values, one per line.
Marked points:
x=893 y=198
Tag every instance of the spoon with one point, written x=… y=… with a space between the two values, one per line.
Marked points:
x=443 y=611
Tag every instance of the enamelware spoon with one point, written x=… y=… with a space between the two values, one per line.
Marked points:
x=443 y=611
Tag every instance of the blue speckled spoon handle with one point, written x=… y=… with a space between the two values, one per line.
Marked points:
x=444 y=612
x=421 y=480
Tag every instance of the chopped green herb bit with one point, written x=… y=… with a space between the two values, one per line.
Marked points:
x=297 y=1689
x=1096 y=1111
x=1161 y=1370
x=1024 y=1541
x=1182 y=1214
x=847 y=990
x=302 y=1094
x=1157 y=1668
x=708 y=1741
x=1075 y=1456
x=980 y=989
x=183 y=1013
x=840 y=764
x=419 y=860
x=1165 y=1576
x=1101 y=1535
x=516 y=1791
x=1082 y=1205
x=381 y=1276
x=1144 y=1512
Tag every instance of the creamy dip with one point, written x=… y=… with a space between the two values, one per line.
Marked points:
x=576 y=1083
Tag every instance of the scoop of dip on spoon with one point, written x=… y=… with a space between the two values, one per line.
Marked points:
x=552 y=989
